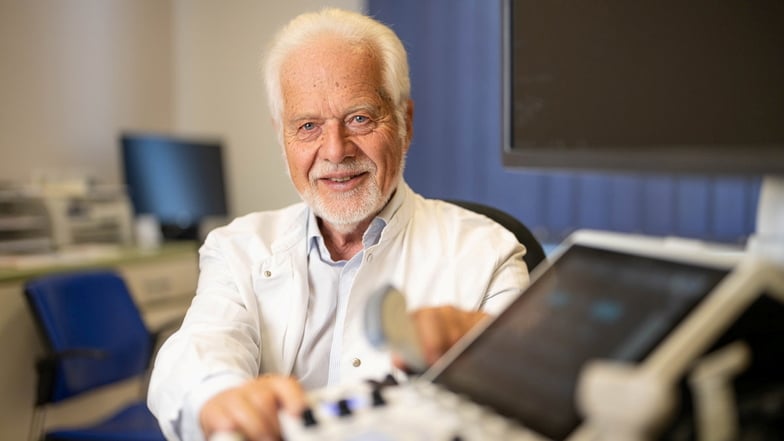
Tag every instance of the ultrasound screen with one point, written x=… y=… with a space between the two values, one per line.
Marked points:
x=589 y=304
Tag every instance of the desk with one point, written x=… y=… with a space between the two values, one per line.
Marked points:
x=162 y=282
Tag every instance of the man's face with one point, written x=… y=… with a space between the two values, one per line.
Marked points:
x=340 y=135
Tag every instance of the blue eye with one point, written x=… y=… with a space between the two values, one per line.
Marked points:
x=308 y=126
x=360 y=124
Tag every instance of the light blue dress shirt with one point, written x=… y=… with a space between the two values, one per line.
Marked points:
x=330 y=285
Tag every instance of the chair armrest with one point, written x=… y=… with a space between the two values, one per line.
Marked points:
x=95 y=354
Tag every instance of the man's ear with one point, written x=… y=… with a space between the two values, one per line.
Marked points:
x=409 y=122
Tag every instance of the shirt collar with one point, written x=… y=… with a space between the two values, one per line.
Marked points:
x=372 y=235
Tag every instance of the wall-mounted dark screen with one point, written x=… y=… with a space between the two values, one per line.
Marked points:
x=178 y=180
x=659 y=85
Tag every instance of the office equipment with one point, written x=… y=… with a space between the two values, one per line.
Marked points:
x=178 y=180
x=92 y=218
x=37 y=220
x=24 y=222
x=610 y=316
x=95 y=336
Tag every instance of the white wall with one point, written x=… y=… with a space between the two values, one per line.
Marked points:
x=218 y=50
x=75 y=73
x=72 y=74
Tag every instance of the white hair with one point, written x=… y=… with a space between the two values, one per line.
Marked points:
x=355 y=28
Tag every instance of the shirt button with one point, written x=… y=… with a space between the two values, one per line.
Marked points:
x=356 y=362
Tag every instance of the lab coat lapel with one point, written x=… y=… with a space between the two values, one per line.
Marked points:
x=283 y=292
x=298 y=297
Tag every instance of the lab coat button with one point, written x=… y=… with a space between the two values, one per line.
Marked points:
x=267 y=273
x=356 y=362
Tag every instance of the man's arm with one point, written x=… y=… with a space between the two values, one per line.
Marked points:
x=216 y=348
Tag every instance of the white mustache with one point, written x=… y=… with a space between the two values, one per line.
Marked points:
x=352 y=168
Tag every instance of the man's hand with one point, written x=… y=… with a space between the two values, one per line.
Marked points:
x=251 y=410
x=438 y=328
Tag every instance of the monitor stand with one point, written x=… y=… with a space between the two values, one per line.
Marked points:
x=768 y=239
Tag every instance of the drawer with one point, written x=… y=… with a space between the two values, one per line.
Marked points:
x=161 y=280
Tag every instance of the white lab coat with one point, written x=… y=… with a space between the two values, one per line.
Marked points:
x=248 y=315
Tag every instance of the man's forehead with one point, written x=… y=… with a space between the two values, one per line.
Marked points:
x=330 y=55
x=351 y=83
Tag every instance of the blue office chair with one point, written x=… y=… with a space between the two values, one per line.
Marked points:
x=94 y=336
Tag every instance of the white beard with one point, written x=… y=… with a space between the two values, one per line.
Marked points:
x=345 y=210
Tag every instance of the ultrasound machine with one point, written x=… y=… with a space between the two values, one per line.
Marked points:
x=618 y=337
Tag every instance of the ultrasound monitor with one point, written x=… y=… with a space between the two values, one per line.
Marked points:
x=591 y=304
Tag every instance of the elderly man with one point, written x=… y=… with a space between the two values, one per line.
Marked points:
x=281 y=294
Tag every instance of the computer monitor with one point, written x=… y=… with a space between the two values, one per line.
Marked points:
x=178 y=180
x=655 y=85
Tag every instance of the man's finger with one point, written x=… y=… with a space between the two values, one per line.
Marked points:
x=289 y=393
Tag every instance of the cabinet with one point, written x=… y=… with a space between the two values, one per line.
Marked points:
x=162 y=283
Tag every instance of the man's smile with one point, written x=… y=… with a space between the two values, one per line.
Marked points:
x=343 y=181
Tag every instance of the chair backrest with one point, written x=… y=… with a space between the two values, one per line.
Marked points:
x=93 y=329
x=534 y=252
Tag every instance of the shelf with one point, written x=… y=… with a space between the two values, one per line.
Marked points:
x=26 y=245
x=22 y=222
x=16 y=267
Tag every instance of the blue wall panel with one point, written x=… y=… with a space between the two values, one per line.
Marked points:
x=624 y=203
x=455 y=55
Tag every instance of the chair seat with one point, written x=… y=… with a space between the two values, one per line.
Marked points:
x=133 y=423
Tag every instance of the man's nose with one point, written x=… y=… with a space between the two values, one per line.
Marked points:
x=336 y=145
